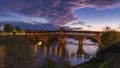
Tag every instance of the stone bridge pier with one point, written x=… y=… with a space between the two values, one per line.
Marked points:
x=80 y=45
x=62 y=44
x=44 y=40
x=98 y=38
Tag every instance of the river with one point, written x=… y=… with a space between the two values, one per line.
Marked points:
x=89 y=48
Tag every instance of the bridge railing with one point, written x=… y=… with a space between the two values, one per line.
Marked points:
x=63 y=33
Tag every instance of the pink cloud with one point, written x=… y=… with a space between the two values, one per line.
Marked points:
x=58 y=11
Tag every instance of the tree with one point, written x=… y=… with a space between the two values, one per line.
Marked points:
x=65 y=64
x=17 y=28
x=49 y=63
x=110 y=37
x=107 y=28
x=8 y=28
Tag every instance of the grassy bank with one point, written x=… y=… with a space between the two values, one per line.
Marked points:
x=18 y=51
x=96 y=63
x=106 y=58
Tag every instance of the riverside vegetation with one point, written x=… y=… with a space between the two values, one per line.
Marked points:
x=109 y=55
x=19 y=53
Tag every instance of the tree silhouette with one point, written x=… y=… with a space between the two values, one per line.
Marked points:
x=8 y=28
x=17 y=28
x=107 y=28
x=110 y=37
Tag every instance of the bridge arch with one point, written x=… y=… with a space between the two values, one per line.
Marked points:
x=62 y=34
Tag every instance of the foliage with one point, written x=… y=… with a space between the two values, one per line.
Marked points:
x=93 y=39
x=110 y=37
x=49 y=63
x=17 y=28
x=104 y=53
x=65 y=64
x=92 y=64
x=107 y=28
x=8 y=28
x=18 y=52
x=107 y=63
x=106 y=57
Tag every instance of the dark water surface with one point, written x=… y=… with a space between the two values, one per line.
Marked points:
x=50 y=51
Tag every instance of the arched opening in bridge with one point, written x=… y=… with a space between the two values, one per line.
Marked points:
x=71 y=47
x=52 y=46
x=71 y=44
x=53 y=41
x=90 y=45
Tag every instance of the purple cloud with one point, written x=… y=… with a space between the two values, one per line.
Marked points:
x=89 y=26
x=118 y=27
x=76 y=23
x=57 y=11
x=78 y=28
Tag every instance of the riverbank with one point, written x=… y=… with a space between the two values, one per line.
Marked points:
x=106 y=58
x=17 y=52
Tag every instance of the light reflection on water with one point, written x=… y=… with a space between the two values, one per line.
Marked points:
x=89 y=49
x=51 y=52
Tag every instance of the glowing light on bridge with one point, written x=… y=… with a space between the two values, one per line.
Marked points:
x=39 y=43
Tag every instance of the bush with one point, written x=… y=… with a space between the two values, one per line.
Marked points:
x=65 y=64
x=110 y=37
x=18 y=51
x=49 y=63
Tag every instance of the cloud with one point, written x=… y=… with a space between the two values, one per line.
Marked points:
x=118 y=27
x=11 y=16
x=57 y=11
x=77 y=23
x=78 y=28
x=89 y=26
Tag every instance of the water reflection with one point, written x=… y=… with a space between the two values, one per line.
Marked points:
x=50 y=51
x=35 y=50
x=91 y=56
x=69 y=55
x=83 y=57
x=55 y=53
x=60 y=52
x=45 y=51
x=75 y=55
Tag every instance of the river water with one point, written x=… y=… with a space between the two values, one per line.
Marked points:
x=71 y=55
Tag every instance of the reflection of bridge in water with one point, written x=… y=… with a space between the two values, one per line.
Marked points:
x=62 y=35
x=83 y=43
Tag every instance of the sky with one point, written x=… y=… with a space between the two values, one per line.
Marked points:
x=77 y=14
